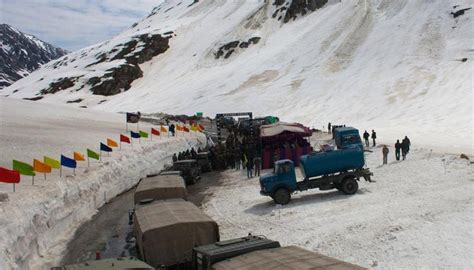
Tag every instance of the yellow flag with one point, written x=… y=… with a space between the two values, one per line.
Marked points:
x=112 y=143
x=52 y=162
x=78 y=156
x=163 y=129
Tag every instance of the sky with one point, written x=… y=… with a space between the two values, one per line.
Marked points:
x=74 y=24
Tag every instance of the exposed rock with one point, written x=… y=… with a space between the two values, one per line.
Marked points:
x=117 y=80
x=229 y=48
x=244 y=45
x=75 y=100
x=290 y=9
x=254 y=40
x=21 y=54
x=459 y=12
x=464 y=156
x=228 y=54
x=34 y=98
x=61 y=84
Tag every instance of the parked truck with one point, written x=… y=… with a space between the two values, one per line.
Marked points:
x=338 y=169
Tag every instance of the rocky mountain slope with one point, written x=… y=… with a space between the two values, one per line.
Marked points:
x=21 y=54
x=401 y=67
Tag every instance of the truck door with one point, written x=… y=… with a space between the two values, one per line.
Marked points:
x=286 y=174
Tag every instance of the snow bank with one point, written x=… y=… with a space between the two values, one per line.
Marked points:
x=37 y=221
x=417 y=215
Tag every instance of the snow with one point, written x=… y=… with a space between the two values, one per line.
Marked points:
x=419 y=214
x=374 y=64
x=37 y=221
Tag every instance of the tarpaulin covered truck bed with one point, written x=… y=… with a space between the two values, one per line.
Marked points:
x=167 y=231
x=161 y=187
x=284 y=258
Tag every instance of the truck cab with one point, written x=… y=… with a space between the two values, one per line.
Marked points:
x=282 y=177
x=347 y=137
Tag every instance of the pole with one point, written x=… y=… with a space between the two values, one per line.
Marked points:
x=138 y=127
x=100 y=155
x=61 y=171
x=13 y=187
x=126 y=125
x=44 y=176
x=33 y=180
x=74 y=171
x=120 y=145
x=88 y=162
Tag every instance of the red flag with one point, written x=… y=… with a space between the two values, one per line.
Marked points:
x=124 y=138
x=201 y=127
x=185 y=129
x=155 y=132
x=9 y=176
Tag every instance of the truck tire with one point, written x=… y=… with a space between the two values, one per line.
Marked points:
x=282 y=196
x=349 y=186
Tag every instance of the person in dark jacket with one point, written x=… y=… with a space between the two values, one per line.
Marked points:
x=171 y=129
x=249 y=166
x=398 y=146
x=385 y=154
x=329 y=127
x=374 y=136
x=405 y=148
x=366 y=138
x=257 y=161
x=175 y=158
x=193 y=153
x=408 y=143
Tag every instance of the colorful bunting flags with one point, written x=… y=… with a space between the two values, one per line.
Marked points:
x=155 y=132
x=41 y=167
x=134 y=135
x=92 y=154
x=124 y=138
x=143 y=134
x=9 y=176
x=79 y=157
x=68 y=162
x=105 y=148
x=112 y=143
x=23 y=168
x=52 y=162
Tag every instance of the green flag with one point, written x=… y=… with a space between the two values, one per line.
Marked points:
x=92 y=154
x=52 y=162
x=23 y=168
x=143 y=134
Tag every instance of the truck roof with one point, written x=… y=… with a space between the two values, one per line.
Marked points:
x=281 y=161
x=346 y=129
x=106 y=264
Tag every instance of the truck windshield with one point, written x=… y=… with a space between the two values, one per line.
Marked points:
x=351 y=139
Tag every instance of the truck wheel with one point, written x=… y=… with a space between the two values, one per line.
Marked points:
x=349 y=186
x=282 y=196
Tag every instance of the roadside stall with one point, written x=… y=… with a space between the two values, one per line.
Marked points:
x=284 y=141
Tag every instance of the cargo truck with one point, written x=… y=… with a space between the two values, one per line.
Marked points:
x=339 y=169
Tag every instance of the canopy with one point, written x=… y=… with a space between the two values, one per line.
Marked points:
x=292 y=257
x=281 y=127
x=167 y=231
x=161 y=187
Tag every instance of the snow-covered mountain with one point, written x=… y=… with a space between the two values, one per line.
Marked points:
x=21 y=54
x=401 y=67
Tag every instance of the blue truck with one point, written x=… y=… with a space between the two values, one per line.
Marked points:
x=338 y=169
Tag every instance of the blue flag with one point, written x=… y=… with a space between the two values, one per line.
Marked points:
x=135 y=135
x=68 y=162
x=105 y=148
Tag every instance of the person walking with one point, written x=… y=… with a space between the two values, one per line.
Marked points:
x=171 y=129
x=407 y=142
x=398 y=146
x=366 y=138
x=237 y=159
x=257 y=162
x=329 y=127
x=249 y=166
x=385 y=154
x=175 y=158
x=374 y=136
x=405 y=148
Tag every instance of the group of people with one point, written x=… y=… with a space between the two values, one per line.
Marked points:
x=188 y=154
x=366 y=136
x=400 y=147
